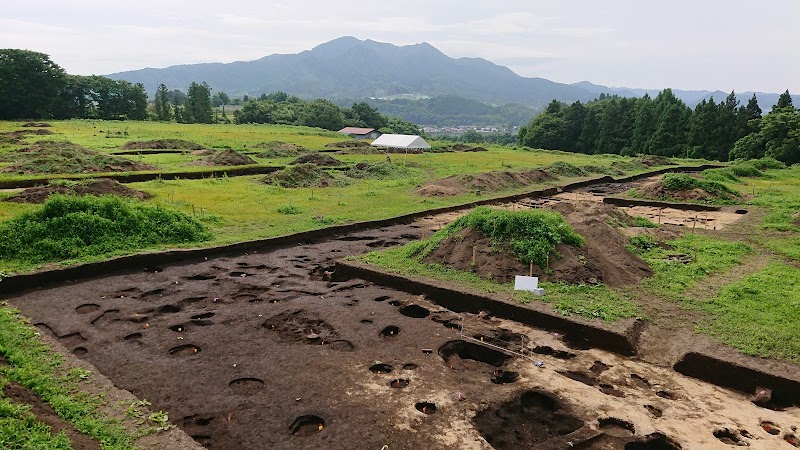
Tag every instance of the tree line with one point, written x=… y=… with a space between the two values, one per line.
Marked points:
x=281 y=108
x=665 y=126
x=34 y=87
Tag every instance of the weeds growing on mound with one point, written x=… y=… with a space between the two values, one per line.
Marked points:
x=68 y=227
x=683 y=182
x=531 y=235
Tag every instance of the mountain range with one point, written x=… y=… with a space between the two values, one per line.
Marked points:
x=351 y=68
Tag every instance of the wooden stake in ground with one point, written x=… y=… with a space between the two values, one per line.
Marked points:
x=530 y=270
x=659 y=215
x=694 y=223
x=474 y=254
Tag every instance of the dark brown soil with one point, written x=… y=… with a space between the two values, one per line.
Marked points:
x=252 y=386
x=100 y=186
x=160 y=144
x=483 y=182
x=225 y=158
x=318 y=159
x=604 y=259
x=526 y=422
x=47 y=415
x=36 y=124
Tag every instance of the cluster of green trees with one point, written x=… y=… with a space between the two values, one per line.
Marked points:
x=666 y=126
x=281 y=108
x=34 y=87
x=193 y=107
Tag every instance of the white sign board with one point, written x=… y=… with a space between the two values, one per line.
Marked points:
x=530 y=284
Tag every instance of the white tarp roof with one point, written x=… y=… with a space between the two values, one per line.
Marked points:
x=400 y=141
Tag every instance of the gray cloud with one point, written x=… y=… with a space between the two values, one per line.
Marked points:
x=711 y=44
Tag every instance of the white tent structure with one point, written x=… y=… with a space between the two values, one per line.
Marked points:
x=404 y=141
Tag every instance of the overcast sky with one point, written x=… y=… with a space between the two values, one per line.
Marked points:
x=699 y=44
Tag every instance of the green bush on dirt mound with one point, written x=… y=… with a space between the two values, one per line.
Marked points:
x=47 y=157
x=530 y=235
x=68 y=227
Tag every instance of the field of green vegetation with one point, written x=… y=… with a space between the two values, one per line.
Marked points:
x=244 y=208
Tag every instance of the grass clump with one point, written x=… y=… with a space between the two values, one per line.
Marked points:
x=531 y=235
x=289 y=209
x=760 y=314
x=68 y=227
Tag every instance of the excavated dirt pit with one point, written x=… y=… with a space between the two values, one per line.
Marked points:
x=283 y=358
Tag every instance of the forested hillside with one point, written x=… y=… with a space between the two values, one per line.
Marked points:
x=451 y=110
x=664 y=125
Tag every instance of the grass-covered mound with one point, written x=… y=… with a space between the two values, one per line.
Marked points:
x=50 y=157
x=225 y=158
x=67 y=227
x=507 y=242
x=161 y=144
x=278 y=149
x=577 y=256
x=563 y=169
x=300 y=175
x=318 y=159
x=680 y=186
x=383 y=170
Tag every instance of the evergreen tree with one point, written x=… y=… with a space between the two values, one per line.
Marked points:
x=748 y=117
x=784 y=101
x=198 y=104
x=644 y=125
x=162 y=104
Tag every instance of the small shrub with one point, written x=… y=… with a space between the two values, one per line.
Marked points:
x=289 y=209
